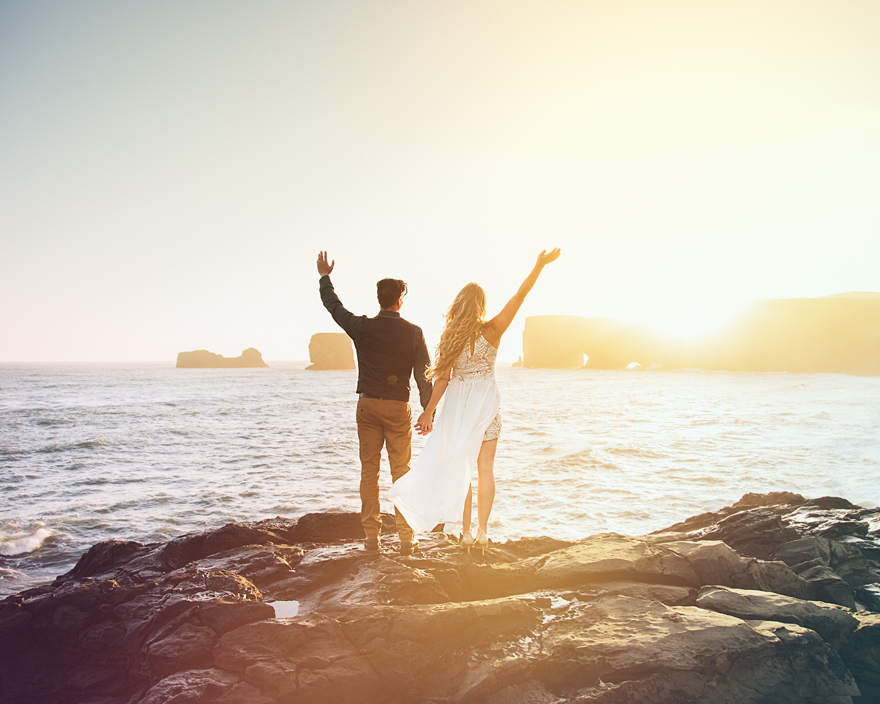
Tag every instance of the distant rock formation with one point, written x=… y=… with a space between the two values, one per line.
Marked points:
x=562 y=341
x=330 y=350
x=838 y=334
x=202 y=359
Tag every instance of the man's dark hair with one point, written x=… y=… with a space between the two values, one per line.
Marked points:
x=389 y=290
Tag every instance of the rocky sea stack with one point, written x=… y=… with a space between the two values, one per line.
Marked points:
x=773 y=599
x=202 y=359
x=330 y=350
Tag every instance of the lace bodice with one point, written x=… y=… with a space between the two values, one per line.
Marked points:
x=479 y=365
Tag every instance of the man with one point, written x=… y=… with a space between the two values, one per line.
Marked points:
x=389 y=351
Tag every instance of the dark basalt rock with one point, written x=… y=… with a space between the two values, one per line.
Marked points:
x=803 y=550
x=335 y=527
x=757 y=532
x=834 y=623
x=862 y=655
x=679 y=616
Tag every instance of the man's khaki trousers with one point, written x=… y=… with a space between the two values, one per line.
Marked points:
x=382 y=422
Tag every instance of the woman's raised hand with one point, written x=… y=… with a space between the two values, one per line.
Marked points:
x=546 y=257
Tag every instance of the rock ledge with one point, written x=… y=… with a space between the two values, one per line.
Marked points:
x=773 y=599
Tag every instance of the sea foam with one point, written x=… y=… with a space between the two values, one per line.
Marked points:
x=22 y=544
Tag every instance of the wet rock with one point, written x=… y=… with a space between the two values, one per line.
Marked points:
x=827 y=523
x=596 y=559
x=773 y=498
x=335 y=527
x=199 y=686
x=828 y=586
x=862 y=654
x=714 y=561
x=804 y=550
x=776 y=577
x=613 y=555
x=836 y=529
x=189 y=646
x=371 y=652
x=261 y=564
x=868 y=546
x=671 y=596
x=833 y=623
x=104 y=556
x=528 y=692
x=869 y=595
x=757 y=532
x=832 y=502
x=102 y=639
x=691 y=653
x=530 y=547
x=748 y=501
x=872 y=517
x=382 y=581
x=136 y=562
x=858 y=572
x=189 y=548
x=608 y=619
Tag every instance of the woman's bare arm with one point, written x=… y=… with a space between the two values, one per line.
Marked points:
x=499 y=324
x=425 y=423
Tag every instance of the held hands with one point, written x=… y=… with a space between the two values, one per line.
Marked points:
x=546 y=257
x=425 y=423
x=323 y=267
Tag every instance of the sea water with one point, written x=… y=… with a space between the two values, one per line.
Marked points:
x=91 y=452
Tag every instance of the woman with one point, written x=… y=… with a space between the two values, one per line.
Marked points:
x=439 y=485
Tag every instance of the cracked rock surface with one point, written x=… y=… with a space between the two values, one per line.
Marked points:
x=773 y=599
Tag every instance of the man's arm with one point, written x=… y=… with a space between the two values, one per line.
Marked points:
x=345 y=319
x=421 y=362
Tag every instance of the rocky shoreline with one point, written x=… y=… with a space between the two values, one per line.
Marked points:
x=773 y=599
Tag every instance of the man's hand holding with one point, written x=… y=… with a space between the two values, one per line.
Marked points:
x=324 y=269
x=425 y=423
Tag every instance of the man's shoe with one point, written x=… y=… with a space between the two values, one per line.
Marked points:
x=408 y=548
x=371 y=545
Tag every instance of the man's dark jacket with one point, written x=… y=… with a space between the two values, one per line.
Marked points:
x=389 y=350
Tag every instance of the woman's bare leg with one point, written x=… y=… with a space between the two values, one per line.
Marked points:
x=486 y=484
x=466 y=518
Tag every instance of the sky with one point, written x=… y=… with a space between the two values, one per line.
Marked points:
x=169 y=171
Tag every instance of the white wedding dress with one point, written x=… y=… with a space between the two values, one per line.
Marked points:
x=435 y=489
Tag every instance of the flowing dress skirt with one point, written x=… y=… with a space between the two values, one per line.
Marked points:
x=435 y=489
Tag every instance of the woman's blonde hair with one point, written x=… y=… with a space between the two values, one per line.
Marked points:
x=465 y=320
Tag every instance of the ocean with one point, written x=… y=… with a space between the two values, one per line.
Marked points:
x=144 y=451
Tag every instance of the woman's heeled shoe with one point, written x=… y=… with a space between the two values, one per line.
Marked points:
x=482 y=541
x=467 y=540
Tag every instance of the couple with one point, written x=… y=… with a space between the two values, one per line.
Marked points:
x=389 y=350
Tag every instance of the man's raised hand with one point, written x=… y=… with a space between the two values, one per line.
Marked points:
x=323 y=267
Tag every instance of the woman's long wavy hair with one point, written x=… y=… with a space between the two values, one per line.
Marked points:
x=465 y=320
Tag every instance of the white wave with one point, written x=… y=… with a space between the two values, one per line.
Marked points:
x=19 y=545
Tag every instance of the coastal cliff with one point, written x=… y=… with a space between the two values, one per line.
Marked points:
x=202 y=359
x=838 y=334
x=754 y=603
x=330 y=350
